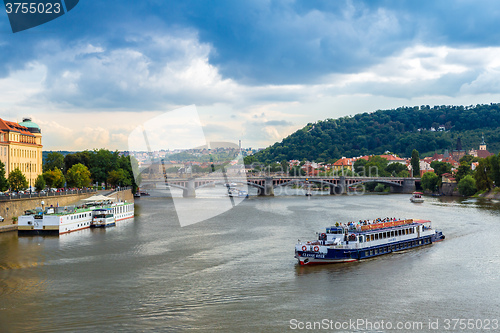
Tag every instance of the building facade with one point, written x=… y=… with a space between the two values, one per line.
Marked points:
x=21 y=148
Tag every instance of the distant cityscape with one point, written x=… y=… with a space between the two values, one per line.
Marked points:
x=21 y=148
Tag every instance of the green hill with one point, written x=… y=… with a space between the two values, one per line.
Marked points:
x=395 y=130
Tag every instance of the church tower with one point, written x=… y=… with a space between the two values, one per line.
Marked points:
x=482 y=146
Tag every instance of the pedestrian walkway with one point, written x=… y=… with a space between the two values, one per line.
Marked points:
x=7 y=225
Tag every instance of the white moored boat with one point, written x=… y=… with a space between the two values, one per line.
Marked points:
x=61 y=220
x=102 y=218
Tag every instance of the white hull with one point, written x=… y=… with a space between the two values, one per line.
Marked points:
x=68 y=222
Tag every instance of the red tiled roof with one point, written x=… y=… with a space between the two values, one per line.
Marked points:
x=344 y=161
x=392 y=158
x=483 y=153
x=13 y=126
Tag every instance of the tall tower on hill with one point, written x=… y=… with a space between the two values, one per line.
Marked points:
x=482 y=146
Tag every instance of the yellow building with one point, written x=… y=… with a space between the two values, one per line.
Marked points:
x=21 y=147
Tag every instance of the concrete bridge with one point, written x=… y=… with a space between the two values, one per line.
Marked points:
x=266 y=185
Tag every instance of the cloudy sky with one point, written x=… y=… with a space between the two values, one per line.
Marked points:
x=255 y=70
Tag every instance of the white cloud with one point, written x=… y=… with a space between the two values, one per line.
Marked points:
x=80 y=94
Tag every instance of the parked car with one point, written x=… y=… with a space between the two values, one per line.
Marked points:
x=1 y=219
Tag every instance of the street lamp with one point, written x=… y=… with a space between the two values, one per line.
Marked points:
x=29 y=168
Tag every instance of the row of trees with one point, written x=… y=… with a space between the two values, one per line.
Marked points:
x=485 y=176
x=84 y=168
x=81 y=169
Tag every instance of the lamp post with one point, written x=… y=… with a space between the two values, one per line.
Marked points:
x=29 y=168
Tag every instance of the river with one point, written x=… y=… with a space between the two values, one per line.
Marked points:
x=236 y=272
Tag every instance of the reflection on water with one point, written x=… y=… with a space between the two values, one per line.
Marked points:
x=236 y=271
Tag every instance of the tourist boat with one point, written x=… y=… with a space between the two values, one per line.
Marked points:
x=417 y=197
x=61 y=220
x=103 y=218
x=236 y=193
x=353 y=242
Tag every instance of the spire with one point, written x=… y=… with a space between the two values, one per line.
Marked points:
x=459 y=144
x=482 y=146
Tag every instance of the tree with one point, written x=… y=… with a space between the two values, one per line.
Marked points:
x=463 y=170
x=39 y=183
x=102 y=161
x=483 y=181
x=53 y=161
x=467 y=186
x=17 y=181
x=78 y=176
x=415 y=163
x=54 y=178
x=360 y=166
x=441 y=167
x=468 y=159
x=119 y=177
x=404 y=174
x=495 y=169
x=429 y=181
x=82 y=157
x=395 y=168
x=297 y=171
x=375 y=167
x=4 y=183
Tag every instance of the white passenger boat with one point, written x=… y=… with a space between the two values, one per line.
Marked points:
x=417 y=197
x=361 y=240
x=236 y=193
x=61 y=220
x=103 y=218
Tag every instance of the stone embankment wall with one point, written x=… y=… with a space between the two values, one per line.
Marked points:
x=16 y=207
x=125 y=195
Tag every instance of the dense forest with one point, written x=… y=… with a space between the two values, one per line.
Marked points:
x=398 y=131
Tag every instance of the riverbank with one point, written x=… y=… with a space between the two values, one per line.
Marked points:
x=6 y=226
x=493 y=194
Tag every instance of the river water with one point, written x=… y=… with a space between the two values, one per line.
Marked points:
x=236 y=272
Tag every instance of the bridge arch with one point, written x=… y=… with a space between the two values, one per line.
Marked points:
x=215 y=182
x=379 y=181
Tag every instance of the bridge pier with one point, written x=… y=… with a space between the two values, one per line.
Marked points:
x=190 y=192
x=341 y=187
x=409 y=186
x=268 y=189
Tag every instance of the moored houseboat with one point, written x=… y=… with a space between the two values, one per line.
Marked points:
x=61 y=220
x=103 y=218
x=362 y=240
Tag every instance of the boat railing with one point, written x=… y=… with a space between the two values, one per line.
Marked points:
x=385 y=224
